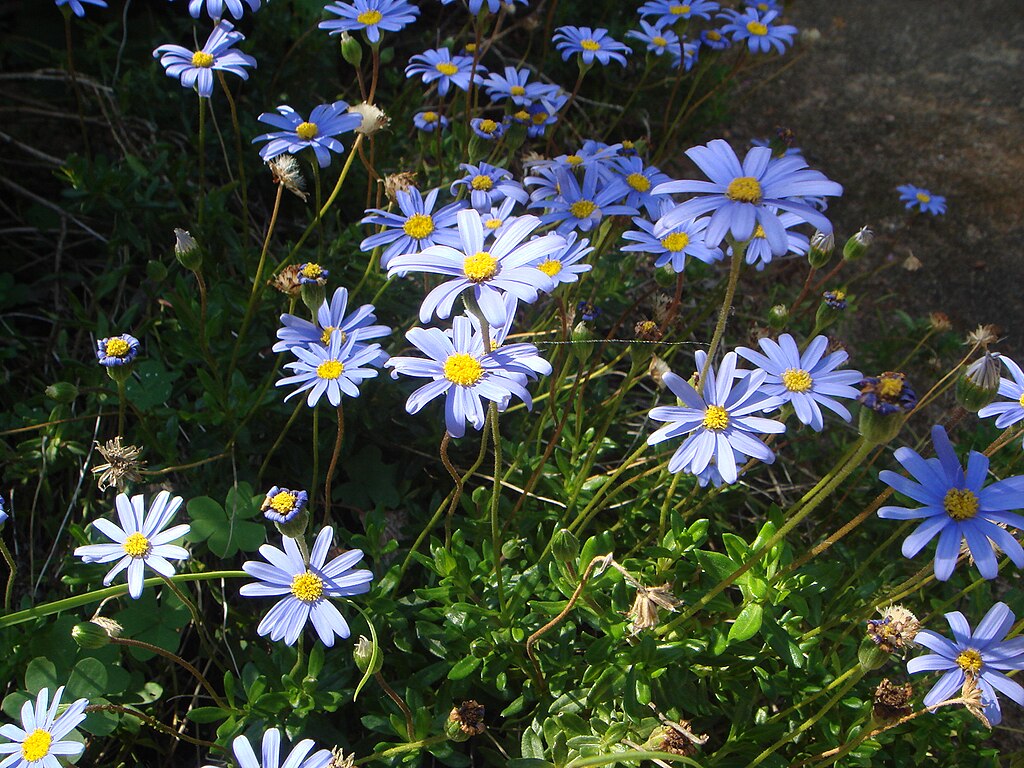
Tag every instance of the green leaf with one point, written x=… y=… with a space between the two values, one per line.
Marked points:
x=151 y=384
x=630 y=756
x=463 y=668
x=747 y=623
x=206 y=714
x=41 y=673
x=226 y=530
x=717 y=565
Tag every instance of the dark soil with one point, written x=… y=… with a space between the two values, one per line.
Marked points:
x=925 y=93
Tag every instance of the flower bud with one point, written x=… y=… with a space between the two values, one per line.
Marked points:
x=979 y=384
x=886 y=399
x=582 y=341
x=95 y=633
x=62 y=392
x=858 y=245
x=822 y=245
x=870 y=656
x=665 y=276
x=363 y=655
x=351 y=50
x=565 y=546
x=778 y=316
x=186 y=250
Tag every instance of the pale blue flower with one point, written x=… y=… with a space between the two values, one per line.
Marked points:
x=414 y=227
x=305 y=589
x=195 y=68
x=590 y=44
x=488 y=185
x=40 y=739
x=76 y=5
x=1008 y=412
x=115 y=351
x=564 y=266
x=922 y=199
x=758 y=29
x=671 y=11
x=215 y=8
x=139 y=541
x=317 y=133
x=331 y=319
x=370 y=16
x=439 y=66
x=658 y=40
x=583 y=206
x=335 y=369
x=429 y=121
x=270 y=753
x=515 y=85
x=672 y=245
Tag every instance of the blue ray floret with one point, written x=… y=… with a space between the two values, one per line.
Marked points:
x=195 y=68
x=370 y=16
x=316 y=133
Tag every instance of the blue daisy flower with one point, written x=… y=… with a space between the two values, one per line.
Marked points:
x=334 y=369
x=921 y=199
x=590 y=45
x=640 y=182
x=540 y=114
x=215 y=8
x=76 y=5
x=317 y=133
x=331 y=320
x=743 y=196
x=429 y=121
x=759 y=250
x=487 y=129
x=488 y=185
x=462 y=372
x=671 y=11
x=488 y=270
x=563 y=266
x=370 y=16
x=687 y=57
x=311 y=273
x=958 y=507
x=495 y=219
x=1008 y=412
x=982 y=655
x=515 y=85
x=305 y=588
x=270 y=753
x=672 y=245
x=806 y=380
x=439 y=66
x=39 y=742
x=758 y=30
x=3 y=510
x=721 y=423
x=657 y=39
x=195 y=68
x=583 y=206
x=715 y=40
x=117 y=350
x=283 y=505
x=763 y=6
x=140 y=541
x=418 y=226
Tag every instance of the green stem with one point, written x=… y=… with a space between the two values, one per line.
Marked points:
x=122 y=401
x=177 y=660
x=202 y=161
x=495 y=496
x=739 y=251
x=412 y=746
x=334 y=463
x=152 y=722
x=13 y=568
x=280 y=439
x=95 y=596
x=663 y=518
x=316 y=461
x=238 y=151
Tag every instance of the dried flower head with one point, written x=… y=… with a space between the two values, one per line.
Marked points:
x=469 y=716
x=892 y=701
x=287 y=281
x=657 y=370
x=648 y=330
x=373 y=118
x=644 y=613
x=111 y=627
x=184 y=243
x=122 y=465
x=895 y=630
x=399 y=182
x=982 y=336
x=679 y=738
x=835 y=299
x=971 y=694
x=939 y=321
x=286 y=173
x=339 y=760
x=912 y=263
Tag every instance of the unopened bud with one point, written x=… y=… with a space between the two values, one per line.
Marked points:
x=822 y=245
x=778 y=316
x=364 y=657
x=858 y=245
x=565 y=546
x=665 y=276
x=582 y=341
x=979 y=384
x=62 y=392
x=186 y=250
x=95 y=633
x=351 y=50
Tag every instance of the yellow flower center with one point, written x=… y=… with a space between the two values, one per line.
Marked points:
x=538 y=118
x=758 y=232
x=679 y=10
x=330 y=369
x=117 y=347
x=960 y=504
x=202 y=59
x=312 y=270
x=488 y=126
x=325 y=337
x=762 y=7
x=462 y=369
x=796 y=380
x=716 y=417
x=283 y=502
x=675 y=242
x=757 y=28
x=480 y=266
x=969 y=661
x=1021 y=401
x=627 y=144
x=308 y=587
x=924 y=198
x=369 y=17
x=470 y=47
x=430 y=117
x=639 y=182
x=522 y=114
x=744 y=189
x=659 y=41
x=446 y=68
x=36 y=745
x=517 y=90
x=492 y=223
x=307 y=131
x=714 y=34
x=551 y=267
x=136 y=545
x=581 y=209
x=573 y=159
x=590 y=45
x=889 y=386
x=481 y=183
x=418 y=226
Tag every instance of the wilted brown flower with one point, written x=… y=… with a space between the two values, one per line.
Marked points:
x=469 y=716
x=648 y=330
x=892 y=701
x=895 y=630
x=287 y=281
x=286 y=173
x=657 y=370
x=338 y=759
x=644 y=613
x=679 y=739
x=122 y=465
x=399 y=182
x=912 y=263
x=940 y=321
x=982 y=336
x=971 y=693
